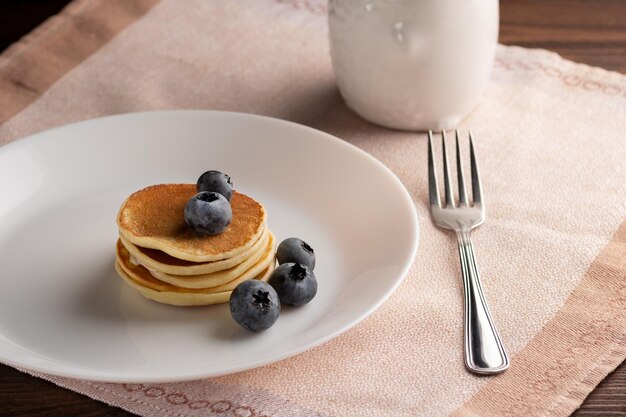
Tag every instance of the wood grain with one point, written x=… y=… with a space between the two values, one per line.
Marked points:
x=591 y=32
x=23 y=395
x=18 y=17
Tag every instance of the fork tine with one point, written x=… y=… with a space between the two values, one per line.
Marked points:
x=433 y=192
x=459 y=173
x=446 y=172
x=476 y=187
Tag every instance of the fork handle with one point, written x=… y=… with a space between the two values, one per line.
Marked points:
x=484 y=352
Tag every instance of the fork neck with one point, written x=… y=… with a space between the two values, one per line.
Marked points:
x=463 y=236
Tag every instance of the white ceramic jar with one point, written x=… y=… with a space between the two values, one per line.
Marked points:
x=413 y=64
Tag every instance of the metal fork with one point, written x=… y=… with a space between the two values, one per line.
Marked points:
x=484 y=352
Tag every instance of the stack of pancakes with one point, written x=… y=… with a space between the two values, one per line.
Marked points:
x=167 y=261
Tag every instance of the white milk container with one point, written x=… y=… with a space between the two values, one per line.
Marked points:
x=413 y=64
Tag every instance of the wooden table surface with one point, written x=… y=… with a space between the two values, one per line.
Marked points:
x=592 y=32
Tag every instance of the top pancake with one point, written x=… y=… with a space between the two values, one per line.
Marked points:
x=154 y=218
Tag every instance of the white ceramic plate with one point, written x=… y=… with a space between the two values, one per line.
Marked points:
x=63 y=309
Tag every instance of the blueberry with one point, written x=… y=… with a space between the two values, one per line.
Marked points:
x=208 y=213
x=254 y=305
x=215 y=181
x=297 y=251
x=295 y=283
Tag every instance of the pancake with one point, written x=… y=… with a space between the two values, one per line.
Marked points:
x=145 y=278
x=247 y=269
x=154 y=218
x=142 y=276
x=180 y=298
x=160 y=261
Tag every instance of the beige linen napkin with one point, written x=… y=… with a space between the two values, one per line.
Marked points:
x=551 y=137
